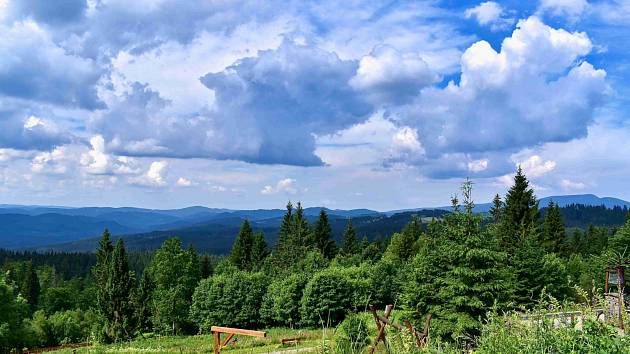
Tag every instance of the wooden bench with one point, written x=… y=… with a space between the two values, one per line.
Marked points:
x=231 y=332
x=291 y=340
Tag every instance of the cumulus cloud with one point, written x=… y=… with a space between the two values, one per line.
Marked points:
x=490 y=14
x=535 y=166
x=286 y=185
x=97 y=161
x=52 y=162
x=536 y=84
x=268 y=109
x=184 y=182
x=154 y=177
x=34 y=67
x=392 y=77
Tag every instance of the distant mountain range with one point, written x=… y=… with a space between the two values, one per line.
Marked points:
x=209 y=229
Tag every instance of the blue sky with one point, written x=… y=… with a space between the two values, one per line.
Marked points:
x=247 y=104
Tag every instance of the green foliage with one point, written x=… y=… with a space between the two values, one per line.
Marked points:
x=118 y=295
x=229 y=300
x=175 y=273
x=458 y=275
x=294 y=238
x=352 y=335
x=385 y=282
x=322 y=236
x=327 y=297
x=142 y=301
x=259 y=251
x=58 y=299
x=281 y=303
x=13 y=309
x=350 y=243
x=620 y=242
x=241 y=255
x=510 y=334
x=520 y=214
x=553 y=235
x=403 y=245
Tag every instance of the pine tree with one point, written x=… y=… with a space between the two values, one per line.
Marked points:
x=119 y=291
x=259 y=250
x=403 y=245
x=350 y=244
x=553 y=236
x=241 y=255
x=283 y=254
x=322 y=236
x=143 y=300
x=497 y=209
x=101 y=271
x=520 y=214
x=206 y=267
x=301 y=229
x=30 y=286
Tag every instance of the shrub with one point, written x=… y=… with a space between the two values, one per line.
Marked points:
x=58 y=299
x=326 y=299
x=281 y=303
x=229 y=300
x=352 y=335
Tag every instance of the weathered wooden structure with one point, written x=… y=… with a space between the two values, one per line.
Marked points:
x=231 y=332
x=420 y=338
x=615 y=292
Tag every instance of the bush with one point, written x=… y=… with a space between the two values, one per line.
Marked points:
x=385 y=283
x=58 y=299
x=72 y=326
x=281 y=303
x=229 y=300
x=327 y=298
x=352 y=335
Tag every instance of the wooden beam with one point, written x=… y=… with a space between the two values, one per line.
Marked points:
x=217 y=342
x=227 y=340
x=242 y=332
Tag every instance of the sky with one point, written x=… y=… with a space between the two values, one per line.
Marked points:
x=345 y=104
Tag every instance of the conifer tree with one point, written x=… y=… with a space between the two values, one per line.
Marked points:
x=553 y=236
x=30 y=286
x=322 y=236
x=119 y=291
x=101 y=271
x=301 y=229
x=143 y=300
x=241 y=255
x=350 y=244
x=497 y=209
x=259 y=250
x=520 y=215
x=206 y=267
x=403 y=245
x=458 y=275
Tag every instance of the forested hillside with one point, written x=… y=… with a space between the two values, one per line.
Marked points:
x=462 y=268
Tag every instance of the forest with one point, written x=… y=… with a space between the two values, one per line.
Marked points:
x=471 y=272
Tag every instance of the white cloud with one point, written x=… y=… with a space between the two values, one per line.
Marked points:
x=537 y=83
x=286 y=185
x=184 y=182
x=535 y=166
x=97 y=161
x=53 y=162
x=571 y=9
x=389 y=76
x=478 y=165
x=154 y=177
x=489 y=13
x=570 y=185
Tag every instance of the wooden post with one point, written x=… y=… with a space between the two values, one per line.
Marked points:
x=217 y=342
x=381 y=327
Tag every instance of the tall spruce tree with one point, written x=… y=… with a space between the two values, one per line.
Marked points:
x=350 y=243
x=520 y=215
x=241 y=255
x=553 y=236
x=100 y=271
x=142 y=303
x=30 y=286
x=259 y=250
x=282 y=253
x=458 y=275
x=322 y=236
x=497 y=209
x=119 y=289
x=301 y=229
